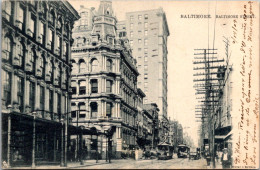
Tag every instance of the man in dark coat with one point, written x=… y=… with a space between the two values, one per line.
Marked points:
x=225 y=159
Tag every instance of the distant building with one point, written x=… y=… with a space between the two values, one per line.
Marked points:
x=153 y=110
x=104 y=82
x=36 y=45
x=147 y=32
x=179 y=134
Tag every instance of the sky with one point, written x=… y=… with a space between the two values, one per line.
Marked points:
x=186 y=34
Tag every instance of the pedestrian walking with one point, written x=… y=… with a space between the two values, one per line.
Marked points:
x=225 y=159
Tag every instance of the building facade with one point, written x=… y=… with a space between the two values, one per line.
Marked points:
x=36 y=41
x=104 y=83
x=148 y=32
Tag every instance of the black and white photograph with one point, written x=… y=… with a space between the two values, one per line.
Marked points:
x=127 y=84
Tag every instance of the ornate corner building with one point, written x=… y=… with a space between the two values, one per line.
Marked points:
x=104 y=81
x=36 y=47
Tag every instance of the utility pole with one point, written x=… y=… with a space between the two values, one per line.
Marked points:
x=209 y=68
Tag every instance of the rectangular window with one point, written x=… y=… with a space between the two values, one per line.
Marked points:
x=74 y=90
x=145 y=67
x=145 y=25
x=131 y=18
x=41 y=32
x=139 y=49
x=146 y=16
x=146 y=42
x=131 y=34
x=145 y=58
x=65 y=51
x=109 y=109
x=145 y=50
x=73 y=114
x=31 y=95
x=20 y=18
x=139 y=17
x=146 y=76
x=145 y=32
x=20 y=91
x=51 y=101
x=58 y=42
x=94 y=109
x=131 y=26
x=139 y=41
x=94 y=86
x=6 y=88
x=82 y=109
x=42 y=98
x=7 y=10
x=31 y=29
x=59 y=104
x=109 y=86
x=50 y=37
x=82 y=90
x=139 y=32
x=131 y=43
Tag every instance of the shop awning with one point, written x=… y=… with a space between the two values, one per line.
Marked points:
x=223 y=137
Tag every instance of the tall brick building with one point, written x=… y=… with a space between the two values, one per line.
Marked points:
x=147 y=32
x=36 y=41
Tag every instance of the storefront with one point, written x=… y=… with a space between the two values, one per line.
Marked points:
x=29 y=141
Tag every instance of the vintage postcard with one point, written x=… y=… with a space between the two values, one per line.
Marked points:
x=129 y=84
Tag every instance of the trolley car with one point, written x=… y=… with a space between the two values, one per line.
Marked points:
x=183 y=151
x=165 y=151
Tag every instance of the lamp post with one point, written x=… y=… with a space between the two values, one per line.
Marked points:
x=33 y=149
x=62 y=141
x=9 y=136
x=106 y=143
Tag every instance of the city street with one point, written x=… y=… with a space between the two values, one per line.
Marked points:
x=152 y=164
x=174 y=163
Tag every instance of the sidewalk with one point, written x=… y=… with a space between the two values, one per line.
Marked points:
x=70 y=165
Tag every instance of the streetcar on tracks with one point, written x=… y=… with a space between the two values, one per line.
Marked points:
x=164 y=151
x=183 y=151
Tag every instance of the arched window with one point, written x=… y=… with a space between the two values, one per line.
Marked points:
x=109 y=65
x=94 y=65
x=51 y=17
x=74 y=67
x=6 y=87
x=82 y=66
x=109 y=109
x=59 y=24
x=94 y=109
x=108 y=86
